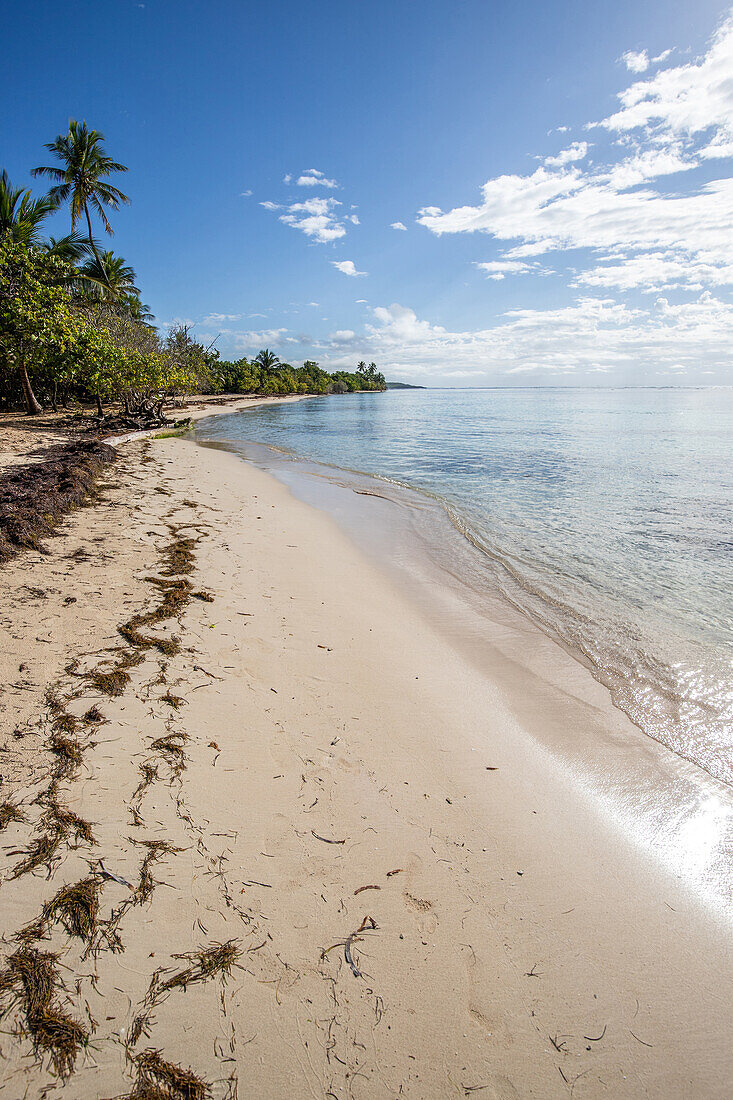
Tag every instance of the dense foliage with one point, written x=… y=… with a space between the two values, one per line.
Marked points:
x=267 y=375
x=73 y=326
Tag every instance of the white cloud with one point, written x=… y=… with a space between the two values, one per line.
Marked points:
x=347 y=267
x=622 y=207
x=320 y=218
x=499 y=269
x=312 y=178
x=220 y=318
x=591 y=336
x=398 y=225
x=253 y=341
x=317 y=218
x=686 y=100
x=343 y=336
x=245 y=194
x=636 y=62
x=577 y=151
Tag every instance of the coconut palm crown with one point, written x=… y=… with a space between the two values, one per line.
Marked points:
x=81 y=179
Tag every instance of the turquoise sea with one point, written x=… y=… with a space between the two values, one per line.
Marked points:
x=606 y=515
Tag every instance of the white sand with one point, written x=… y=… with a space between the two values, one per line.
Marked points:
x=522 y=949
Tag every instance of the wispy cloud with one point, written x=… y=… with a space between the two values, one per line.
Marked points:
x=347 y=267
x=577 y=151
x=398 y=225
x=499 y=269
x=220 y=318
x=245 y=194
x=651 y=236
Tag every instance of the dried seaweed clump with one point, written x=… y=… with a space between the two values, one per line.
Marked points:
x=30 y=981
x=59 y=824
x=160 y=1080
x=68 y=752
x=76 y=906
x=113 y=681
x=9 y=812
x=206 y=963
x=179 y=555
x=34 y=498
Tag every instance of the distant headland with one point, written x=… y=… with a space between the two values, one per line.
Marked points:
x=403 y=386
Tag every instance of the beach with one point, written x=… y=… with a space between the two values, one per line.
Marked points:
x=329 y=855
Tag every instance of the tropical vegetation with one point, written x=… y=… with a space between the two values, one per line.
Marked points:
x=73 y=326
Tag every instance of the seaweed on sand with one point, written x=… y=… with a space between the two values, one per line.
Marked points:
x=76 y=906
x=204 y=964
x=9 y=812
x=68 y=752
x=160 y=1080
x=172 y=750
x=30 y=980
x=35 y=497
x=59 y=824
x=140 y=894
x=179 y=555
x=113 y=681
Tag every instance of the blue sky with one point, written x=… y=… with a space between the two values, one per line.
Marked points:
x=562 y=172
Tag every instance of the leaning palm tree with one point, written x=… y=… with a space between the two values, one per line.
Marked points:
x=21 y=215
x=267 y=359
x=81 y=179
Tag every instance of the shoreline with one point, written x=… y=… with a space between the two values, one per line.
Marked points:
x=659 y=799
x=331 y=760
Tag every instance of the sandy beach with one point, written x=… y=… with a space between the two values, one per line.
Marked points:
x=319 y=852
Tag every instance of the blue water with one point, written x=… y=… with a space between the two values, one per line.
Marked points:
x=609 y=511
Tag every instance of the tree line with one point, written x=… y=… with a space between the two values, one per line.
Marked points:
x=73 y=326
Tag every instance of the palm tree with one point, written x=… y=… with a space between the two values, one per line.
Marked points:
x=108 y=277
x=267 y=360
x=82 y=178
x=72 y=249
x=20 y=214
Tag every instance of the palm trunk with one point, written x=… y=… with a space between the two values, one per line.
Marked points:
x=100 y=410
x=92 y=245
x=32 y=406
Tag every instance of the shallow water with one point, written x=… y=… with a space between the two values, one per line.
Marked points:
x=604 y=515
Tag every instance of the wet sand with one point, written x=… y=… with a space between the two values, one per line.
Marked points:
x=417 y=899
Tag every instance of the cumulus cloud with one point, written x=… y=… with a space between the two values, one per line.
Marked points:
x=623 y=206
x=398 y=225
x=311 y=178
x=322 y=218
x=318 y=218
x=636 y=62
x=347 y=267
x=588 y=336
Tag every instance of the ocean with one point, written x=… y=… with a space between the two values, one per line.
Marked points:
x=604 y=515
